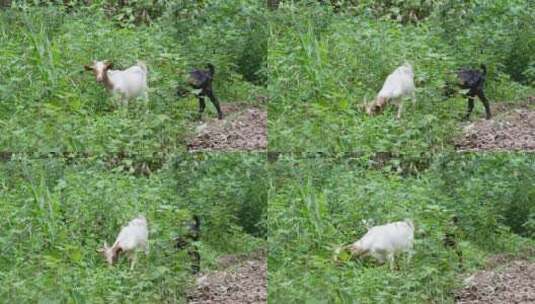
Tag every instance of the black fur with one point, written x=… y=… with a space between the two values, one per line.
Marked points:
x=202 y=79
x=187 y=241
x=474 y=80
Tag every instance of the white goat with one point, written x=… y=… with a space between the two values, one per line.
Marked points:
x=397 y=85
x=385 y=241
x=128 y=83
x=132 y=237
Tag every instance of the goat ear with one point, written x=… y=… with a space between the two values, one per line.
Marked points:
x=109 y=64
x=87 y=67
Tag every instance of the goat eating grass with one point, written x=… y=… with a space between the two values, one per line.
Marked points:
x=132 y=237
x=398 y=84
x=384 y=242
x=128 y=84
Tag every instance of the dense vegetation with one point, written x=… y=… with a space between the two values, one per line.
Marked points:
x=74 y=168
x=57 y=212
x=326 y=57
x=317 y=204
x=50 y=104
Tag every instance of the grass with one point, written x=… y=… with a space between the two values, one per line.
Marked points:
x=58 y=212
x=316 y=204
x=50 y=104
x=324 y=66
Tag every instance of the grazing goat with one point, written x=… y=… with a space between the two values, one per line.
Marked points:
x=474 y=80
x=188 y=241
x=202 y=80
x=128 y=83
x=132 y=237
x=384 y=242
x=397 y=85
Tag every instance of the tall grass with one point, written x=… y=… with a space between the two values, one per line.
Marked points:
x=56 y=213
x=317 y=204
x=324 y=66
x=50 y=104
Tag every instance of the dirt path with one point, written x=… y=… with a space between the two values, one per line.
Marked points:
x=244 y=128
x=243 y=279
x=507 y=283
x=512 y=128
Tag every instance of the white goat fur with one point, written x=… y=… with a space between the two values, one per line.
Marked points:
x=133 y=236
x=385 y=241
x=398 y=84
x=129 y=83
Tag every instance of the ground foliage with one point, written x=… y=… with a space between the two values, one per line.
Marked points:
x=58 y=211
x=50 y=104
x=317 y=203
x=324 y=62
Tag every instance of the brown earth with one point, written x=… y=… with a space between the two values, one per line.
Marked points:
x=242 y=279
x=509 y=282
x=511 y=129
x=244 y=128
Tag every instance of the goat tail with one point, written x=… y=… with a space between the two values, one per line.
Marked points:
x=484 y=68
x=211 y=69
x=143 y=66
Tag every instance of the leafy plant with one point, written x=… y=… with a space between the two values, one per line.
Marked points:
x=59 y=211
x=317 y=204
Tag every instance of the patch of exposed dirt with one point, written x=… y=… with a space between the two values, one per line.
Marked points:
x=243 y=279
x=510 y=129
x=244 y=128
x=513 y=283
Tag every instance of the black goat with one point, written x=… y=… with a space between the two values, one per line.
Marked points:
x=474 y=80
x=188 y=241
x=202 y=79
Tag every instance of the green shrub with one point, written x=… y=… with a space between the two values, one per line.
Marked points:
x=317 y=204
x=59 y=211
x=324 y=66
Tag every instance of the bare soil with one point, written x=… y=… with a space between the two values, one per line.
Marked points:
x=512 y=283
x=511 y=129
x=242 y=279
x=244 y=128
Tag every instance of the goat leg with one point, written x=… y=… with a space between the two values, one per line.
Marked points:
x=485 y=101
x=132 y=257
x=470 y=107
x=213 y=99
x=460 y=255
x=202 y=106
x=391 y=261
x=195 y=257
x=400 y=108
